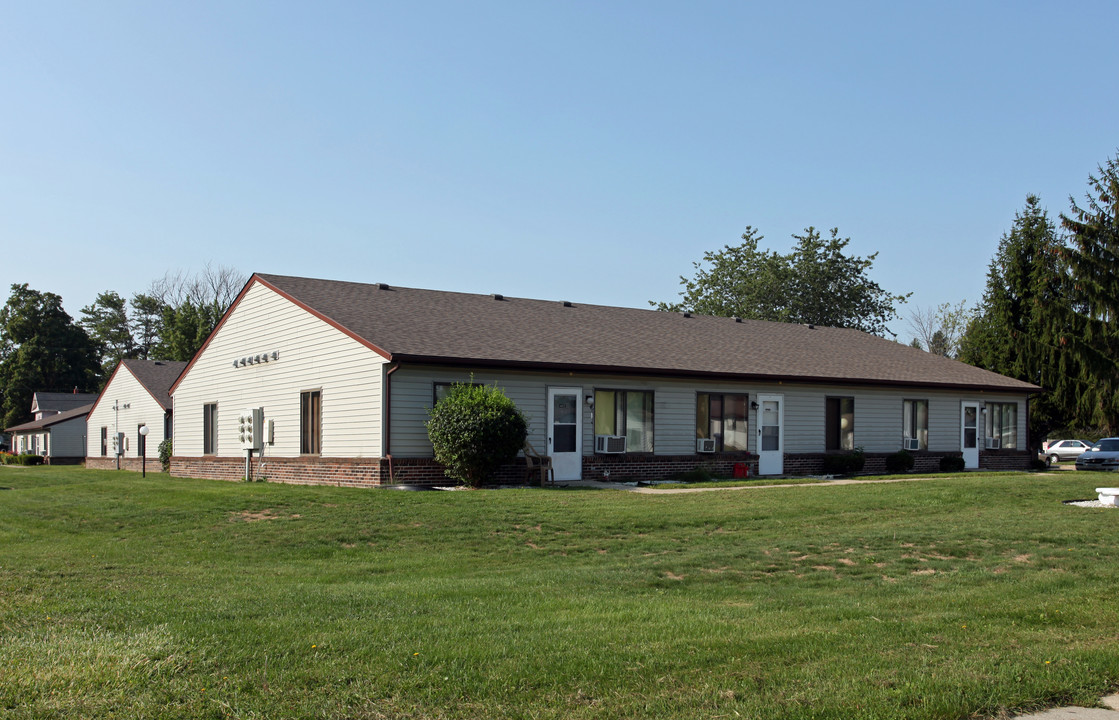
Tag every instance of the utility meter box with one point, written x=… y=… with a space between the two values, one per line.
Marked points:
x=118 y=444
x=251 y=429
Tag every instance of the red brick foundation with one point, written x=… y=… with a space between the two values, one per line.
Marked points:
x=126 y=463
x=372 y=472
x=647 y=466
x=1005 y=459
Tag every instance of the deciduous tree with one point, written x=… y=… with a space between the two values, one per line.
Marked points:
x=41 y=349
x=817 y=283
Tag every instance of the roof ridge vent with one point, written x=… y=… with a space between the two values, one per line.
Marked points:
x=383 y=286
x=737 y=319
x=810 y=326
x=687 y=314
x=567 y=303
x=498 y=296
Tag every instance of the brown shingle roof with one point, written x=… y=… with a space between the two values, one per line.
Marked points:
x=410 y=325
x=157 y=376
x=49 y=420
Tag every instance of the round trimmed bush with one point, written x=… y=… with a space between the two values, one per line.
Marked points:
x=474 y=430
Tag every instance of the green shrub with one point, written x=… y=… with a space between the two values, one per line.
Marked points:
x=474 y=430
x=844 y=463
x=1038 y=464
x=952 y=463
x=6 y=458
x=165 y=455
x=900 y=462
x=29 y=459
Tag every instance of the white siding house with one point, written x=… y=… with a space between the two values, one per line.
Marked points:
x=135 y=396
x=345 y=374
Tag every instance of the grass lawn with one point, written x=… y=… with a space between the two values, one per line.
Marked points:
x=953 y=597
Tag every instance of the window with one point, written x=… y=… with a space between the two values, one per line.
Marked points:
x=104 y=441
x=210 y=429
x=915 y=423
x=723 y=418
x=1002 y=424
x=310 y=422
x=625 y=412
x=440 y=390
x=839 y=423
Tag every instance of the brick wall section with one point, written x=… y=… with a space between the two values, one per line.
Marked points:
x=1005 y=459
x=371 y=472
x=659 y=467
x=348 y=472
x=126 y=463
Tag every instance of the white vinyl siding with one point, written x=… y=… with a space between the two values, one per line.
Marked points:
x=142 y=409
x=311 y=353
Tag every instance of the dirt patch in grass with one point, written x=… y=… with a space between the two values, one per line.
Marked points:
x=258 y=515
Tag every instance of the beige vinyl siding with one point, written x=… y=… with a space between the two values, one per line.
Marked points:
x=878 y=411
x=125 y=389
x=312 y=355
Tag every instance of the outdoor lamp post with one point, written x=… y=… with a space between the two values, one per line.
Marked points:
x=143 y=451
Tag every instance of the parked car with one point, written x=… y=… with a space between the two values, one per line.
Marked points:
x=1058 y=450
x=1104 y=455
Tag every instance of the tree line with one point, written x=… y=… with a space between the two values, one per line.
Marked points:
x=42 y=348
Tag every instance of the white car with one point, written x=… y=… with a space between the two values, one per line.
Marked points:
x=1059 y=450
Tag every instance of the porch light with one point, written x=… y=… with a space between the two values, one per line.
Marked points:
x=590 y=401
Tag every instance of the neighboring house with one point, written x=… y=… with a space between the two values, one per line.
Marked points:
x=136 y=395
x=346 y=372
x=58 y=437
x=52 y=403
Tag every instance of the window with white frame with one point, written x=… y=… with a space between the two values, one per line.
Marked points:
x=722 y=417
x=915 y=424
x=628 y=413
x=1002 y=425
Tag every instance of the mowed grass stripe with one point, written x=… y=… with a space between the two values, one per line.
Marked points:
x=161 y=597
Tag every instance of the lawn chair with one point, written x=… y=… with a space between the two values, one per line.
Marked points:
x=537 y=463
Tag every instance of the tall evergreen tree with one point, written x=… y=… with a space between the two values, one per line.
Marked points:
x=1014 y=332
x=41 y=349
x=1091 y=328
x=107 y=323
x=147 y=323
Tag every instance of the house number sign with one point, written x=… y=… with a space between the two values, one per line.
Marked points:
x=256 y=359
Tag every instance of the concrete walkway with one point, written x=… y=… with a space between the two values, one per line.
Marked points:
x=1110 y=711
x=680 y=489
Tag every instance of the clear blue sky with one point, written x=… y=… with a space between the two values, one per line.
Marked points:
x=568 y=150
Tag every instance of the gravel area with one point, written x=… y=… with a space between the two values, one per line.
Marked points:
x=1089 y=503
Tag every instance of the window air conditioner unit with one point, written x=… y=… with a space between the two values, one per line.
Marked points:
x=610 y=444
x=705 y=445
x=911 y=444
x=994 y=443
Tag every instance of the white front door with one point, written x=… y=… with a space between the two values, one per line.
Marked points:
x=565 y=432
x=969 y=434
x=771 y=434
